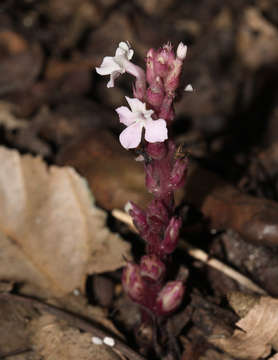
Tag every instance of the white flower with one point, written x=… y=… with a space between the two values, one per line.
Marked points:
x=137 y=119
x=115 y=66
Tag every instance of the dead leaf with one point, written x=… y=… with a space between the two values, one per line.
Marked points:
x=54 y=339
x=255 y=219
x=51 y=233
x=256 y=333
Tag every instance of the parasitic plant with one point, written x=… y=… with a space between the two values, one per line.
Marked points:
x=148 y=120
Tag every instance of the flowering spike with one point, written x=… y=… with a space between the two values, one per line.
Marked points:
x=170 y=297
x=149 y=113
x=138 y=216
x=171 y=236
x=152 y=182
x=133 y=283
x=152 y=268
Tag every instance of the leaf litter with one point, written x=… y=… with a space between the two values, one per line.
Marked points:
x=257 y=331
x=52 y=234
x=54 y=339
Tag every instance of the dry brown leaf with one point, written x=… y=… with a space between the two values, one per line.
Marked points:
x=54 y=340
x=256 y=333
x=51 y=233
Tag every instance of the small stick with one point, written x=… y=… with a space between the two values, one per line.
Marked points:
x=82 y=324
x=14 y=353
x=200 y=255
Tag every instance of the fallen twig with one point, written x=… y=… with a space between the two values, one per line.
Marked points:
x=200 y=255
x=14 y=353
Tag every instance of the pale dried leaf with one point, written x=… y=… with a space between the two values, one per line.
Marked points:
x=54 y=339
x=51 y=233
x=258 y=335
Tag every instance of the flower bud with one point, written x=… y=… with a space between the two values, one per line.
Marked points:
x=170 y=297
x=172 y=79
x=133 y=283
x=157 y=215
x=138 y=216
x=150 y=72
x=152 y=181
x=163 y=60
x=181 y=51
x=152 y=268
x=171 y=236
x=178 y=173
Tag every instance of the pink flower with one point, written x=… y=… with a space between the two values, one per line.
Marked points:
x=136 y=119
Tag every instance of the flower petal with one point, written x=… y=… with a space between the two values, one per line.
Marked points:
x=156 y=130
x=127 y=117
x=130 y=54
x=136 y=105
x=130 y=138
x=108 y=66
x=124 y=50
